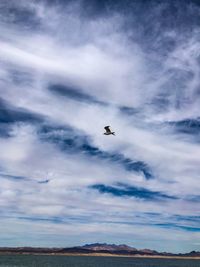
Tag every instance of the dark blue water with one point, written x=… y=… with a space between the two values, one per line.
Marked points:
x=84 y=261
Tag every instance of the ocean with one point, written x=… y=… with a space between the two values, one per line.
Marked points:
x=85 y=261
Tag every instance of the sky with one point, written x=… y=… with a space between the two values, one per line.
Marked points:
x=69 y=68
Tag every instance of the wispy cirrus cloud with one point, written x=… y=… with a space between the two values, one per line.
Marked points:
x=66 y=71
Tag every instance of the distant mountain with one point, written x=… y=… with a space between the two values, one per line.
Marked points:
x=108 y=247
x=118 y=249
x=96 y=248
x=148 y=251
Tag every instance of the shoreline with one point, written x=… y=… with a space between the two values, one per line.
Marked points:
x=103 y=255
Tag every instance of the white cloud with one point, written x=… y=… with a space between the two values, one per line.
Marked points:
x=96 y=57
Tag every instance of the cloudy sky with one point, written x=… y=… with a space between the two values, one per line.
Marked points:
x=67 y=69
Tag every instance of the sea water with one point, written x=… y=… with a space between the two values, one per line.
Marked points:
x=85 y=261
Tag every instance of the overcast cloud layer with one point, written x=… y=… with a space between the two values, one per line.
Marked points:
x=67 y=69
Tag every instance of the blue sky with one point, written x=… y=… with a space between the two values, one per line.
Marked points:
x=67 y=69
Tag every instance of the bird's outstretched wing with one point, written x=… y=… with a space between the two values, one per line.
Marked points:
x=107 y=128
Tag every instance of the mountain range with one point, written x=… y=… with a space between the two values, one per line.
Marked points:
x=96 y=248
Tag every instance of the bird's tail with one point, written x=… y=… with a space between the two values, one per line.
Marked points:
x=113 y=133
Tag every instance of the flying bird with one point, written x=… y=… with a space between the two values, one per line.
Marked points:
x=108 y=131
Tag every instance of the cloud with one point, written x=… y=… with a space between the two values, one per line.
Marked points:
x=70 y=141
x=187 y=126
x=66 y=71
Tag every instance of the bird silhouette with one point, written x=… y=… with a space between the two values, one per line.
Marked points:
x=108 y=131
